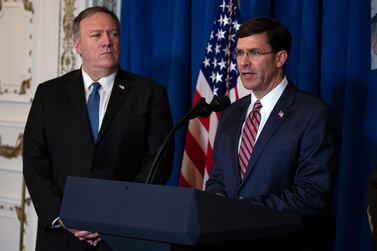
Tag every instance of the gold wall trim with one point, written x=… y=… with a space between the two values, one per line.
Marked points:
x=8 y=151
x=21 y=215
x=24 y=85
x=28 y=6
x=67 y=60
x=110 y=4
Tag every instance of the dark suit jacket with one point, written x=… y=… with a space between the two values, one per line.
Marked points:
x=292 y=164
x=58 y=143
x=372 y=192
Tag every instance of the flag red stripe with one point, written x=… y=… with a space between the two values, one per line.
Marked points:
x=214 y=79
x=197 y=156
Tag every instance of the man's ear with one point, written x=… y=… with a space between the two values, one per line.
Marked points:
x=281 y=58
x=77 y=45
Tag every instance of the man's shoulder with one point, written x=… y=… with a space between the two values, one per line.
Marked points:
x=61 y=80
x=138 y=81
x=303 y=99
x=306 y=99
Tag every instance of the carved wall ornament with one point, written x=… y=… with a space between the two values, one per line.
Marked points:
x=9 y=152
x=21 y=215
x=110 y=4
x=28 y=5
x=67 y=60
x=25 y=85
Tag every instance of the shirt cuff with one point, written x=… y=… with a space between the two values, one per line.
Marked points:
x=55 y=223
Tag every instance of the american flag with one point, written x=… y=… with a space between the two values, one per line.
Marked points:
x=217 y=76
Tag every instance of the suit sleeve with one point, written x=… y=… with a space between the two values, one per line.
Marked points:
x=37 y=165
x=215 y=183
x=313 y=180
x=160 y=123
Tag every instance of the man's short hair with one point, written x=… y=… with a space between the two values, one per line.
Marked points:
x=279 y=37
x=90 y=12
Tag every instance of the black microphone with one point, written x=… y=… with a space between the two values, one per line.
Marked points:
x=219 y=103
x=203 y=109
x=200 y=109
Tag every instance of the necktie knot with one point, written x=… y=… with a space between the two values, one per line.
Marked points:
x=257 y=105
x=95 y=87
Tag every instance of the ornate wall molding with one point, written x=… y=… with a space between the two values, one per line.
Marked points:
x=16 y=50
x=28 y=5
x=8 y=151
x=110 y=4
x=67 y=59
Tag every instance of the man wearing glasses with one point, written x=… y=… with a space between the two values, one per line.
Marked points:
x=276 y=146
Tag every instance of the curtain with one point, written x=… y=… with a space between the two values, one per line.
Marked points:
x=330 y=58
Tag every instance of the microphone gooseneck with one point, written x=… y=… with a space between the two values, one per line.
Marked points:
x=200 y=109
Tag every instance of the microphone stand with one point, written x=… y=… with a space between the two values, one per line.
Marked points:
x=201 y=108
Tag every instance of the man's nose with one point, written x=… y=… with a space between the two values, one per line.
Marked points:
x=107 y=39
x=243 y=60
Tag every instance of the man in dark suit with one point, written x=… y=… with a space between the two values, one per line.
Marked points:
x=275 y=147
x=63 y=138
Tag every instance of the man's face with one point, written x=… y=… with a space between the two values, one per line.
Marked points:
x=259 y=73
x=98 y=45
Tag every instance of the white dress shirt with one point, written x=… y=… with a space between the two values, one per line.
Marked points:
x=268 y=103
x=104 y=92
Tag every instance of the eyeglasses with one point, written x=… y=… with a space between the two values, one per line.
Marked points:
x=251 y=53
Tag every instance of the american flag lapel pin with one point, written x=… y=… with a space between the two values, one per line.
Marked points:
x=281 y=114
x=121 y=86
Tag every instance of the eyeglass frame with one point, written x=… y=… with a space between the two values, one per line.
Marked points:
x=251 y=53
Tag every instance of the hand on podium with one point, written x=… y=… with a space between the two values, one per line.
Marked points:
x=90 y=237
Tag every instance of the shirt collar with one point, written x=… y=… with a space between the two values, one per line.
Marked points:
x=271 y=98
x=106 y=82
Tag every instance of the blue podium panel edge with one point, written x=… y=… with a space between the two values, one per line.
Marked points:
x=167 y=214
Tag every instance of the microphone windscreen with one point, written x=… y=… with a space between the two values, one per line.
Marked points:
x=219 y=103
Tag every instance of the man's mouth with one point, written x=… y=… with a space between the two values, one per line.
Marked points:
x=248 y=74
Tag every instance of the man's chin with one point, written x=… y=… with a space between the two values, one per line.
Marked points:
x=248 y=83
x=109 y=65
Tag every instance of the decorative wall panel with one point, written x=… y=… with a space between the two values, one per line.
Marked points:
x=16 y=50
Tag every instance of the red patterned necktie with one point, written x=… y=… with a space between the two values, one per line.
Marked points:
x=249 y=134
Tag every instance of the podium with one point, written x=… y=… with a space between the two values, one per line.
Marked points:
x=134 y=216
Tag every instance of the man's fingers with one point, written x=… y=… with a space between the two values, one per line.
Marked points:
x=96 y=241
x=86 y=235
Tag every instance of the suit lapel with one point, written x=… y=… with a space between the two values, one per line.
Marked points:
x=120 y=90
x=76 y=92
x=280 y=112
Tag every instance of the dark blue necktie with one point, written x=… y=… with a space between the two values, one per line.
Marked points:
x=93 y=109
